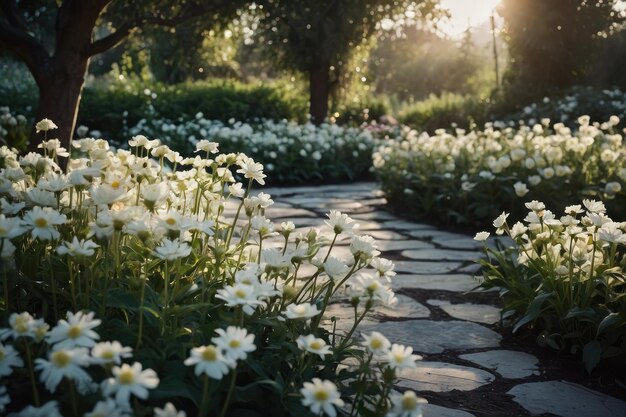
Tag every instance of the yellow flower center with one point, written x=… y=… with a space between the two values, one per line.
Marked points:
x=316 y=345
x=376 y=343
x=126 y=377
x=240 y=293
x=107 y=355
x=398 y=357
x=20 y=327
x=41 y=222
x=409 y=402
x=170 y=221
x=60 y=359
x=116 y=184
x=210 y=354
x=321 y=396
x=74 y=332
x=234 y=344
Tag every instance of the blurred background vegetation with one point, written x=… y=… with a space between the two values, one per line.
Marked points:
x=403 y=65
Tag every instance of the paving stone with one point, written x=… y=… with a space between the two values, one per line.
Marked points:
x=405 y=225
x=405 y=308
x=566 y=399
x=428 y=336
x=375 y=215
x=470 y=269
x=480 y=313
x=385 y=235
x=374 y=201
x=392 y=245
x=433 y=410
x=460 y=243
x=443 y=377
x=454 y=282
x=508 y=363
x=432 y=233
x=280 y=213
x=415 y=267
x=441 y=255
x=344 y=316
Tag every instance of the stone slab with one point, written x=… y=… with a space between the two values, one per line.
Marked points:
x=416 y=267
x=433 y=410
x=291 y=213
x=480 y=313
x=452 y=282
x=406 y=225
x=443 y=377
x=441 y=255
x=379 y=215
x=405 y=308
x=386 y=235
x=566 y=399
x=508 y=363
x=392 y=245
x=428 y=336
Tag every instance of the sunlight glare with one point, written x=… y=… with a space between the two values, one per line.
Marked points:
x=464 y=14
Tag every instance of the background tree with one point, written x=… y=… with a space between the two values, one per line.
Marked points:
x=56 y=39
x=317 y=38
x=552 y=44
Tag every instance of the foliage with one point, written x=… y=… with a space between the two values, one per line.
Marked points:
x=564 y=279
x=443 y=111
x=419 y=63
x=173 y=262
x=292 y=153
x=468 y=177
x=112 y=110
x=13 y=128
x=552 y=43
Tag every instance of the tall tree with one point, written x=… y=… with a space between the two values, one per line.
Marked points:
x=318 y=37
x=552 y=43
x=58 y=54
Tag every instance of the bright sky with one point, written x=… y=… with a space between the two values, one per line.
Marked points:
x=464 y=14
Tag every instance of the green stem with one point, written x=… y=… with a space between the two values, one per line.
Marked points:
x=33 y=381
x=205 y=397
x=231 y=388
x=141 y=301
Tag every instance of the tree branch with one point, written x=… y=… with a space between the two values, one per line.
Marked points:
x=109 y=41
x=9 y=7
x=25 y=46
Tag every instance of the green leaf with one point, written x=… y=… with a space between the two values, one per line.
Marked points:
x=592 y=353
x=608 y=321
x=533 y=311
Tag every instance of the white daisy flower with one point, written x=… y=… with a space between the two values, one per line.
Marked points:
x=107 y=408
x=312 y=344
x=235 y=342
x=42 y=222
x=168 y=411
x=321 y=397
x=401 y=357
x=110 y=352
x=340 y=222
x=11 y=227
x=406 y=405
x=251 y=170
x=77 y=247
x=62 y=363
x=76 y=331
x=9 y=358
x=301 y=311
x=45 y=125
x=376 y=343
x=209 y=360
x=49 y=409
x=240 y=294
x=171 y=250
x=127 y=380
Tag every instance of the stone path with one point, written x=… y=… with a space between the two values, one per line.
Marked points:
x=465 y=367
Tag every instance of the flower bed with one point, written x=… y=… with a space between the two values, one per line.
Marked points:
x=467 y=178
x=290 y=152
x=141 y=282
x=564 y=279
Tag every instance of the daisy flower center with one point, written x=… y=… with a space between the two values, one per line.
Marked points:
x=409 y=403
x=61 y=359
x=170 y=221
x=234 y=344
x=316 y=345
x=21 y=327
x=321 y=396
x=209 y=354
x=74 y=332
x=41 y=222
x=398 y=357
x=116 y=184
x=107 y=355
x=126 y=377
x=240 y=294
x=376 y=344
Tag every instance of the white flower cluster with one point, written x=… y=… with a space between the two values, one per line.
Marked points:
x=179 y=226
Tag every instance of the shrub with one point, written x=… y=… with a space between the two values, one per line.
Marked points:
x=14 y=128
x=564 y=278
x=468 y=177
x=162 y=277
x=292 y=153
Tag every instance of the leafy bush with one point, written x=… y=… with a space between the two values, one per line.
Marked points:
x=111 y=110
x=14 y=128
x=564 y=279
x=162 y=277
x=292 y=153
x=468 y=177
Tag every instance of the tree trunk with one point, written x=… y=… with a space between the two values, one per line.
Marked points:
x=319 y=89
x=59 y=98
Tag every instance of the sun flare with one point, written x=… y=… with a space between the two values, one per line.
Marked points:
x=464 y=14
